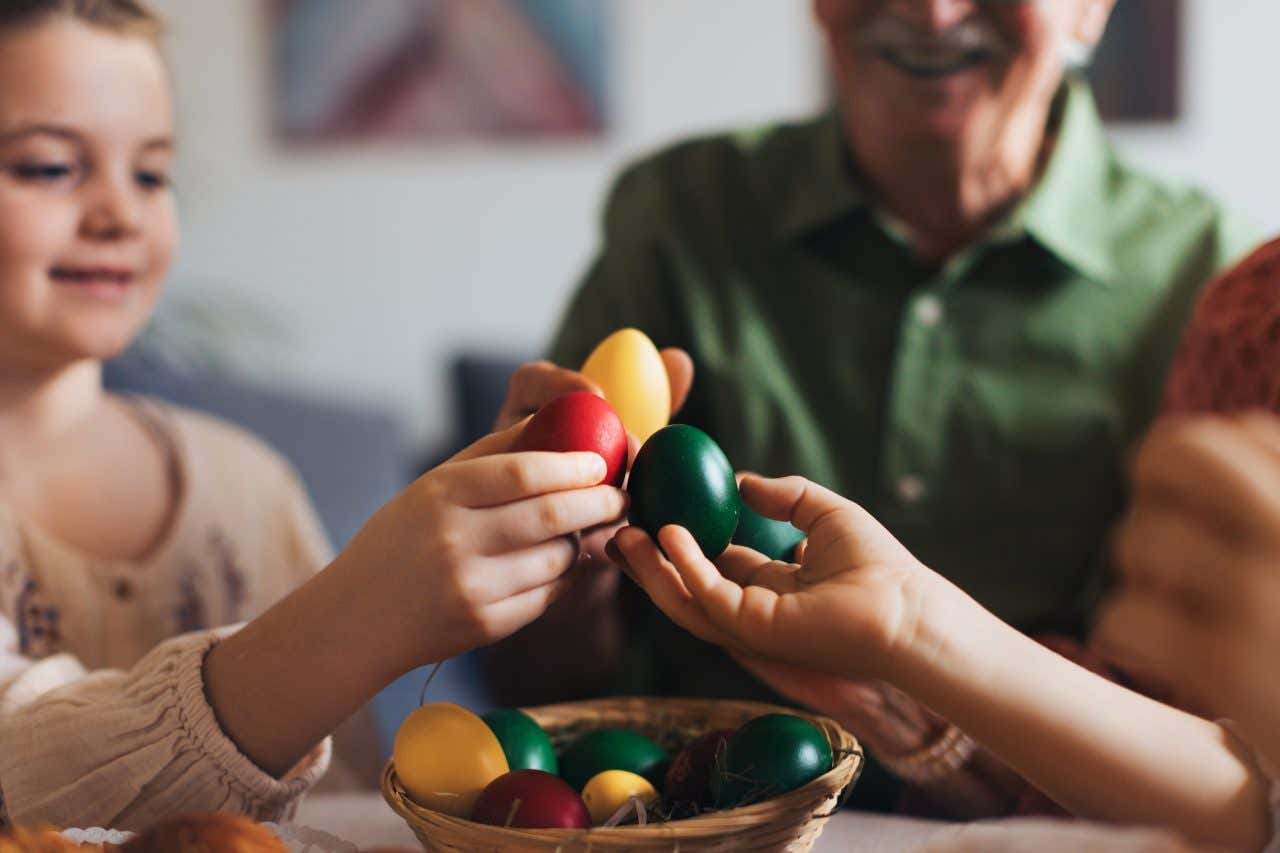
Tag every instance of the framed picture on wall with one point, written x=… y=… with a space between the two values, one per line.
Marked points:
x=1137 y=73
x=413 y=70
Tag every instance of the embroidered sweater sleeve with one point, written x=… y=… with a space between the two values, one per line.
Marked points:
x=124 y=748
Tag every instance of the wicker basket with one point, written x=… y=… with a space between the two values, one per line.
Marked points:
x=790 y=822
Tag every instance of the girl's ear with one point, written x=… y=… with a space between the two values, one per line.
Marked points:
x=1091 y=21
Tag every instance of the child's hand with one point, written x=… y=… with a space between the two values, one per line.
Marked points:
x=850 y=608
x=1199 y=555
x=539 y=382
x=478 y=547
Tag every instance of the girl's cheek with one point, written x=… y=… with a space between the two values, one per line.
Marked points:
x=165 y=237
x=33 y=230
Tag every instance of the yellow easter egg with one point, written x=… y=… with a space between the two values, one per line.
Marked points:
x=610 y=790
x=627 y=367
x=445 y=756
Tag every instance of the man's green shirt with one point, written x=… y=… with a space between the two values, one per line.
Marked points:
x=981 y=410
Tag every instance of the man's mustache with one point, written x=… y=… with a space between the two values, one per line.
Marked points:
x=972 y=35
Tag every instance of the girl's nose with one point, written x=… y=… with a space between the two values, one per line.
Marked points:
x=114 y=210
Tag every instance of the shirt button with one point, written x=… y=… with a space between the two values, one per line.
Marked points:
x=928 y=310
x=911 y=489
x=123 y=590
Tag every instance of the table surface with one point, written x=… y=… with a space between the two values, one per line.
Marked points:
x=366 y=821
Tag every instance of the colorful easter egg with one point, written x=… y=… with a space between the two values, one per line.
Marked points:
x=609 y=749
x=531 y=799
x=777 y=540
x=680 y=476
x=445 y=756
x=524 y=742
x=580 y=421
x=768 y=756
x=610 y=790
x=627 y=367
x=687 y=786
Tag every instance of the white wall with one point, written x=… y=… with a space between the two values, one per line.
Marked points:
x=1228 y=139
x=383 y=262
x=386 y=261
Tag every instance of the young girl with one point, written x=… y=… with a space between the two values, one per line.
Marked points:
x=129 y=530
x=860 y=606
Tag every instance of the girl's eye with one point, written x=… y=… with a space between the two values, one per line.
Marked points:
x=153 y=180
x=45 y=173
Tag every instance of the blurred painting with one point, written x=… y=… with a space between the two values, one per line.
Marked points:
x=409 y=70
x=1137 y=71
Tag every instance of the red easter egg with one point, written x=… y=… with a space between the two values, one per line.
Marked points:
x=687 y=787
x=531 y=799
x=580 y=421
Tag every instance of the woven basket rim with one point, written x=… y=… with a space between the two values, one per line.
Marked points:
x=844 y=772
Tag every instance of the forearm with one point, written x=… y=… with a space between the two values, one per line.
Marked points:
x=1100 y=750
x=287 y=679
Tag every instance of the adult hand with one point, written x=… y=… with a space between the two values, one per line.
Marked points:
x=1199 y=559
x=539 y=382
x=886 y=720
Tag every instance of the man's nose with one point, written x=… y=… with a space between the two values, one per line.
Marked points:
x=934 y=16
x=114 y=209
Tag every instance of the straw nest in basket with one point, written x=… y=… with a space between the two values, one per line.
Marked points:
x=790 y=821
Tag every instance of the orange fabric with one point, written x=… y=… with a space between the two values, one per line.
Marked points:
x=1229 y=360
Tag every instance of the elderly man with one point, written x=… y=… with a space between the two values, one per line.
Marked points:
x=947 y=300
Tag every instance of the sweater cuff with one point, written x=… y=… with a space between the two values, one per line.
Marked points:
x=271 y=798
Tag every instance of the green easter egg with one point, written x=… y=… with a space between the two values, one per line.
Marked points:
x=526 y=745
x=610 y=749
x=682 y=477
x=768 y=756
x=777 y=540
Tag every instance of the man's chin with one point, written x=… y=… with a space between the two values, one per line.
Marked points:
x=929 y=114
x=932 y=133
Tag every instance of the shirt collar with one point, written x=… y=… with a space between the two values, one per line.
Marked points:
x=1066 y=211
x=1063 y=213
x=823 y=190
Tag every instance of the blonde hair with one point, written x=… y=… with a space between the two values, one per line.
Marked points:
x=128 y=17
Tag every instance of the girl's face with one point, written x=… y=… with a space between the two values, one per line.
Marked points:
x=87 y=220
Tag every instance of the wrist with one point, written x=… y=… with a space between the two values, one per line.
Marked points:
x=374 y=630
x=933 y=651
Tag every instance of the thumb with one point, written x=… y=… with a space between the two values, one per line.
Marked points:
x=492 y=444
x=794 y=499
x=680 y=374
x=826 y=518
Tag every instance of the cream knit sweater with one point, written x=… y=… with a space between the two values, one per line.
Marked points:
x=103 y=716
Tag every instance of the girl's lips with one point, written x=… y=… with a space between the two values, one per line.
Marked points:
x=91 y=276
